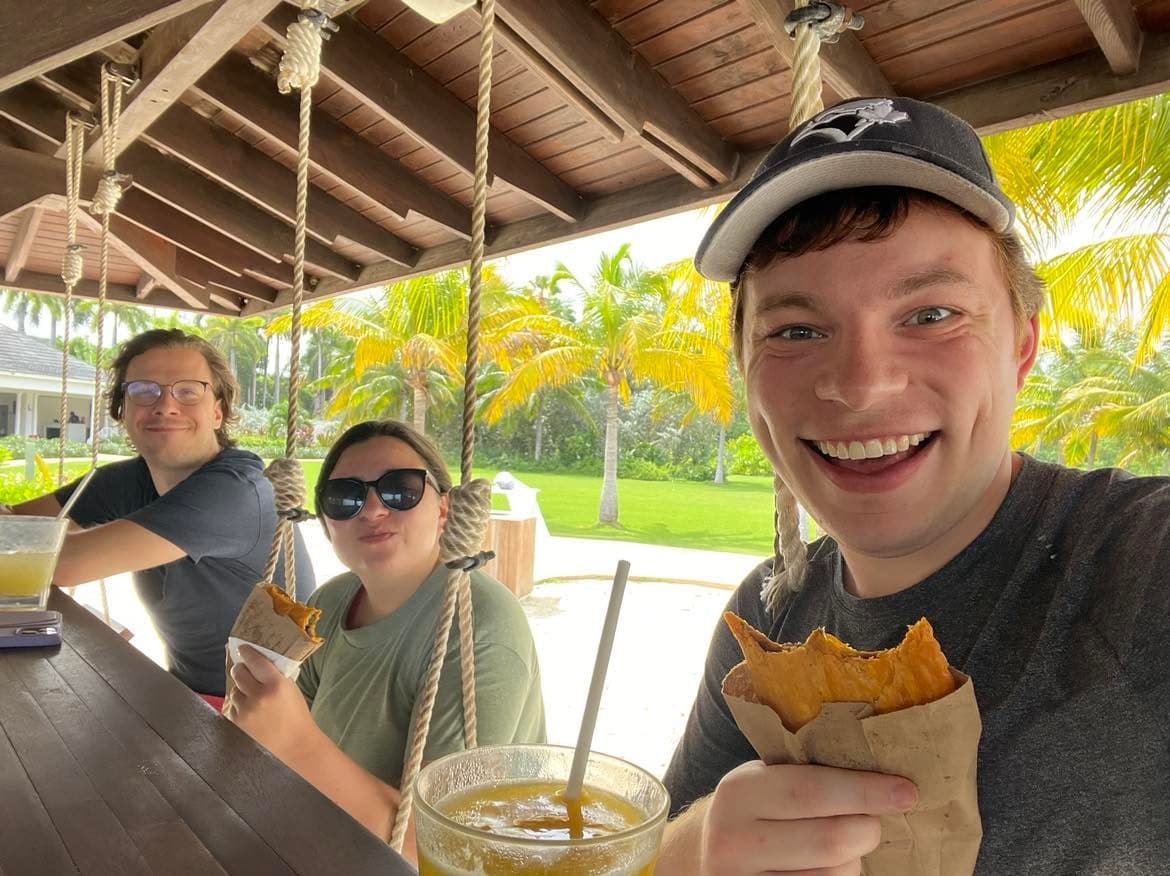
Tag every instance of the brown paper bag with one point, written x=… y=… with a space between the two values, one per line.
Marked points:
x=259 y=624
x=936 y=746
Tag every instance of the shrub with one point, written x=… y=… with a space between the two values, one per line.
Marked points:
x=744 y=456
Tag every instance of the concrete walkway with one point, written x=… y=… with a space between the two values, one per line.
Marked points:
x=658 y=655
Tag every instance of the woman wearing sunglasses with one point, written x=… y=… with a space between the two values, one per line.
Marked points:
x=382 y=498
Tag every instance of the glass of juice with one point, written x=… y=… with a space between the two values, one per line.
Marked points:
x=29 y=547
x=500 y=809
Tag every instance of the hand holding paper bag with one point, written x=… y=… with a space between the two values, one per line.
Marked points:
x=902 y=712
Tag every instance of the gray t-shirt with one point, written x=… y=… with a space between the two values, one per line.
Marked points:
x=223 y=517
x=1059 y=611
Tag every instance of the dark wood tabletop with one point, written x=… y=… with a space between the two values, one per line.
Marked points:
x=108 y=764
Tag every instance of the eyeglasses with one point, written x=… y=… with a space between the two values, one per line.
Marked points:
x=399 y=489
x=146 y=392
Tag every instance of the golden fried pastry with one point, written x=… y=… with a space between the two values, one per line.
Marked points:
x=302 y=615
x=796 y=680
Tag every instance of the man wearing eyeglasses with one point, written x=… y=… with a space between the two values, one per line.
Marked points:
x=191 y=516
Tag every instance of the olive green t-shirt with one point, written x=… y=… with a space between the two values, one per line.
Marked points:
x=363 y=684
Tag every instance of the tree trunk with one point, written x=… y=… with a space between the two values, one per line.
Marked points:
x=720 y=454
x=320 y=371
x=53 y=329
x=608 y=512
x=21 y=315
x=538 y=446
x=420 y=409
x=403 y=401
x=276 y=376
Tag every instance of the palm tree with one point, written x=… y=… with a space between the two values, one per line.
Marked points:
x=704 y=306
x=627 y=333
x=412 y=335
x=1112 y=164
x=240 y=339
x=1089 y=403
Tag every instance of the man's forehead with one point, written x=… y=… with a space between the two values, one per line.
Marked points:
x=777 y=294
x=168 y=361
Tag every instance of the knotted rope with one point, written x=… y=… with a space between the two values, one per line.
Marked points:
x=467 y=519
x=105 y=201
x=468 y=516
x=72 y=265
x=300 y=67
x=811 y=23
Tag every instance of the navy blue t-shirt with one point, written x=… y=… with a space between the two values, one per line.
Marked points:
x=223 y=517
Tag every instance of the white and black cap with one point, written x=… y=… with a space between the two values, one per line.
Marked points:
x=871 y=141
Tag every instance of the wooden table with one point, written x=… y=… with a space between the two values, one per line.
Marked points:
x=108 y=764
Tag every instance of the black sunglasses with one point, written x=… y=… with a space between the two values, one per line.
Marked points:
x=399 y=489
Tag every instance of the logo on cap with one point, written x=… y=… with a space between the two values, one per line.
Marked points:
x=848 y=121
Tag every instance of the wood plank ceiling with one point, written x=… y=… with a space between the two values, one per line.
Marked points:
x=604 y=113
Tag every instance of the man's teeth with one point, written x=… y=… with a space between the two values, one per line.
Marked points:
x=873 y=448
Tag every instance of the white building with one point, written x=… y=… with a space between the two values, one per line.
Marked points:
x=30 y=389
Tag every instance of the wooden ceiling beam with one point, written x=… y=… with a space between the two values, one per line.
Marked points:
x=123 y=292
x=204 y=273
x=232 y=162
x=596 y=59
x=183 y=231
x=172 y=181
x=846 y=66
x=20 y=105
x=174 y=56
x=1059 y=89
x=402 y=92
x=240 y=168
x=154 y=256
x=238 y=87
x=37 y=37
x=1116 y=28
x=650 y=201
x=30 y=223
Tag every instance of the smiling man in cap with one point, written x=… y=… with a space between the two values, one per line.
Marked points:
x=884 y=321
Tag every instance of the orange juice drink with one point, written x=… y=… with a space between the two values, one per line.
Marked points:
x=29 y=547
x=477 y=812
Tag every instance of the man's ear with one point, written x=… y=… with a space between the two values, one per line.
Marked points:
x=1027 y=348
x=218 y=419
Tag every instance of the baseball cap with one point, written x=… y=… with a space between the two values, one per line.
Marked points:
x=869 y=141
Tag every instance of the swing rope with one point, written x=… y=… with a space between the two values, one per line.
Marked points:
x=462 y=538
x=105 y=201
x=299 y=68
x=72 y=266
x=811 y=23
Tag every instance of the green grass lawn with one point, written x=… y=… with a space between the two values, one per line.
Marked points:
x=736 y=516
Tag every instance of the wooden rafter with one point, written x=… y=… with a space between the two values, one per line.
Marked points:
x=51 y=283
x=1115 y=27
x=154 y=256
x=187 y=190
x=239 y=167
x=1060 y=89
x=234 y=85
x=401 y=92
x=36 y=37
x=175 y=55
x=660 y=198
x=202 y=240
x=590 y=54
x=30 y=223
x=846 y=67
x=204 y=273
